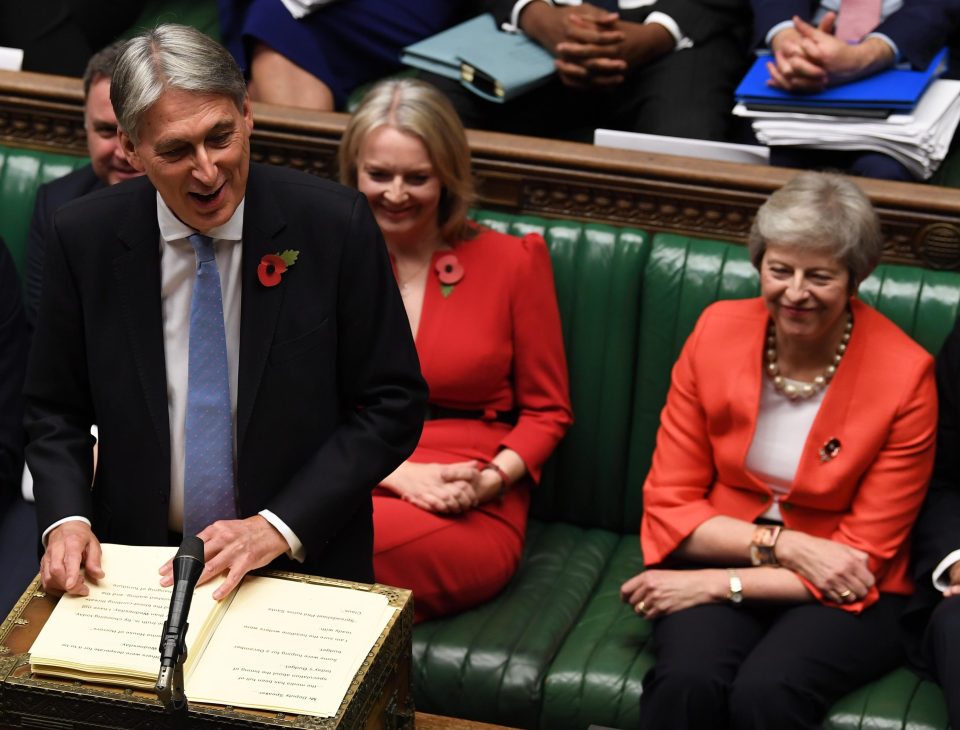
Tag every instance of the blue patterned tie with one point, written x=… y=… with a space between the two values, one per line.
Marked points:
x=208 y=471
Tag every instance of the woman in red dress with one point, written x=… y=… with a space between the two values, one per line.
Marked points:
x=449 y=523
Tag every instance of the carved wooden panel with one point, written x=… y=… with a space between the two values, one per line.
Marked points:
x=538 y=177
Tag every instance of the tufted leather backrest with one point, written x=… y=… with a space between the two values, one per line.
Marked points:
x=628 y=304
x=22 y=171
x=599 y=272
x=685 y=274
x=682 y=276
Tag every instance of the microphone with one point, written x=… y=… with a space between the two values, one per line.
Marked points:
x=187 y=567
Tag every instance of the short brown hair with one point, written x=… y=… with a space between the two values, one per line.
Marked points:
x=101 y=65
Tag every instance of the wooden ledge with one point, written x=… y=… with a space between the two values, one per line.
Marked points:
x=534 y=176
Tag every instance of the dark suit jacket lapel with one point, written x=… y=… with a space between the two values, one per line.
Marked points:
x=137 y=271
x=260 y=305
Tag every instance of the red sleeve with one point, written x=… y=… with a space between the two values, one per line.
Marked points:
x=892 y=491
x=539 y=365
x=682 y=473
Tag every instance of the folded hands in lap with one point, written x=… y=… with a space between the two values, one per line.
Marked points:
x=838 y=571
x=593 y=47
x=809 y=58
x=656 y=593
x=443 y=488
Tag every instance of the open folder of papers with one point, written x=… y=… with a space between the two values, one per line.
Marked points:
x=893 y=89
x=274 y=644
x=495 y=65
x=918 y=139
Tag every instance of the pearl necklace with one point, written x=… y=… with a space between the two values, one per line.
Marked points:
x=805 y=390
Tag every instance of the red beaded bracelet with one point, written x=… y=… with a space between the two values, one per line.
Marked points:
x=504 y=480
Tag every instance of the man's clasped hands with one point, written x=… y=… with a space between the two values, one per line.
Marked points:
x=809 y=58
x=593 y=47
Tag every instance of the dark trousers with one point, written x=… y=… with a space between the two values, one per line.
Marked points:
x=18 y=551
x=864 y=164
x=941 y=652
x=739 y=668
x=686 y=93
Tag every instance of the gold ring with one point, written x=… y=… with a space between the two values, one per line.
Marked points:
x=844 y=594
x=641 y=607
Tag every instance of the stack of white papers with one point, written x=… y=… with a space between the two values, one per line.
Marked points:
x=918 y=140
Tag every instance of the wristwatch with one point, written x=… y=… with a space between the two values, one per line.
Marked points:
x=735 y=596
x=763 y=544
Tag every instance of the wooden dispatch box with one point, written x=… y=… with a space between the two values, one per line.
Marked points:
x=380 y=696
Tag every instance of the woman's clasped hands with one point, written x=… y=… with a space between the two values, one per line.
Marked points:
x=837 y=570
x=443 y=488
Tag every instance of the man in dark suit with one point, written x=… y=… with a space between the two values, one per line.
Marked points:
x=812 y=48
x=277 y=333
x=661 y=67
x=932 y=618
x=108 y=166
x=18 y=559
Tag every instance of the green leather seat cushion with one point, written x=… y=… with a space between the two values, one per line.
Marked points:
x=488 y=664
x=597 y=674
x=22 y=171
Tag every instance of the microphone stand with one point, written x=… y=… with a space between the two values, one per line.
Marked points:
x=170 y=685
x=187 y=566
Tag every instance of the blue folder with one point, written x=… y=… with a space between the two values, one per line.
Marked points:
x=894 y=89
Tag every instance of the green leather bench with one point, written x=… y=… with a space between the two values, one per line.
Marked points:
x=21 y=173
x=557 y=649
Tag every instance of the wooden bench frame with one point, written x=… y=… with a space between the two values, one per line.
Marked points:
x=537 y=176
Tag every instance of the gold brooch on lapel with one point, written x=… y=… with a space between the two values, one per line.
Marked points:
x=273 y=265
x=829 y=450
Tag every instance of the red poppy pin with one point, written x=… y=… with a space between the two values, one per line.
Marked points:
x=449 y=272
x=273 y=265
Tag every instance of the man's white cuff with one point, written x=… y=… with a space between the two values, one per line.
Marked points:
x=46 y=533
x=671 y=25
x=941 y=581
x=297 y=551
x=514 y=25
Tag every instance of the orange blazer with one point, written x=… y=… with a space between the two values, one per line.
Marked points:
x=881 y=406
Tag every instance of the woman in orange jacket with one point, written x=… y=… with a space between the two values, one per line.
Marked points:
x=792 y=458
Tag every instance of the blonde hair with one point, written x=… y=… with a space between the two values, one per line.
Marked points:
x=418 y=109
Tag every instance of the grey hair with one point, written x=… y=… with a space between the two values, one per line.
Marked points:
x=823 y=211
x=170 y=56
